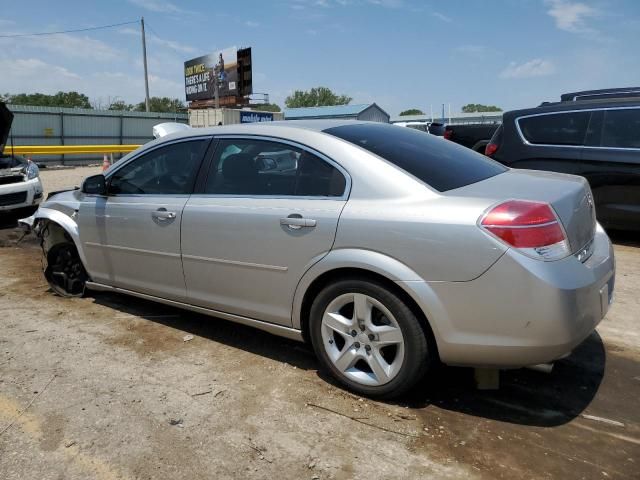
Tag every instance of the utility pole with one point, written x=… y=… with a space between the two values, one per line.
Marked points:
x=216 y=89
x=144 y=58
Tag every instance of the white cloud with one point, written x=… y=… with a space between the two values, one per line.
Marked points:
x=388 y=3
x=251 y=24
x=533 y=68
x=441 y=16
x=27 y=74
x=74 y=46
x=61 y=45
x=570 y=16
x=154 y=39
x=159 y=6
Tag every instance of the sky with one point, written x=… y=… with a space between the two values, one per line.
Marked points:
x=400 y=54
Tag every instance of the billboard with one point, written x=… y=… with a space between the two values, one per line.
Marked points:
x=202 y=73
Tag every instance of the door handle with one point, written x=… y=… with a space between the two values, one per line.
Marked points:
x=297 y=222
x=163 y=214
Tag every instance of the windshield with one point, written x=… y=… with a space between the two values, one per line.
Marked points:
x=443 y=165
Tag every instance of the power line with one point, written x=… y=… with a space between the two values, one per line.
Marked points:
x=68 y=31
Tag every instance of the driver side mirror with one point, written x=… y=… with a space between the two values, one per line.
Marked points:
x=95 y=185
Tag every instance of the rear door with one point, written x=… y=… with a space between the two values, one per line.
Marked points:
x=132 y=235
x=612 y=165
x=552 y=141
x=268 y=212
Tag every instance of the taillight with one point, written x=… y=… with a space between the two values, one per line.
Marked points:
x=531 y=227
x=448 y=134
x=490 y=149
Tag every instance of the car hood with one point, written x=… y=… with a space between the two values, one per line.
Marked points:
x=6 y=119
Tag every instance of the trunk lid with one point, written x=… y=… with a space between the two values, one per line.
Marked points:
x=569 y=195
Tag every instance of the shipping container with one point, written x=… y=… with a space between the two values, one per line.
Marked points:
x=211 y=117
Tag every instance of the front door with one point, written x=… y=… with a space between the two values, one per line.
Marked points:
x=268 y=212
x=132 y=236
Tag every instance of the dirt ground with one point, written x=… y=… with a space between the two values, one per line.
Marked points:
x=110 y=387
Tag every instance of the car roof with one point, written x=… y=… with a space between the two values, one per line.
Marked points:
x=288 y=128
x=571 y=96
x=571 y=106
x=316 y=125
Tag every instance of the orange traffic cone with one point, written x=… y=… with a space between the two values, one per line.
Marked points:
x=105 y=163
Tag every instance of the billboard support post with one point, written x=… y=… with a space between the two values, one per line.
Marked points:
x=216 y=93
x=144 y=61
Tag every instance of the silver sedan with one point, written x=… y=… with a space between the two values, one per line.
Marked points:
x=385 y=248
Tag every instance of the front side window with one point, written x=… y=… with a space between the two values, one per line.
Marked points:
x=556 y=129
x=169 y=170
x=260 y=167
x=621 y=128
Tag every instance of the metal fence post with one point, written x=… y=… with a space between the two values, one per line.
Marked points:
x=62 y=133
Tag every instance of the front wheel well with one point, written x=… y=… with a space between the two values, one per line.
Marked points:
x=51 y=233
x=361 y=274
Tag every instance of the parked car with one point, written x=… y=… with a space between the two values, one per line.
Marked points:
x=20 y=186
x=422 y=126
x=475 y=136
x=597 y=139
x=385 y=248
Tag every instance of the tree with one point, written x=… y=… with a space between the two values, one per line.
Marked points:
x=411 y=111
x=60 y=99
x=266 y=107
x=161 y=105
x=121 y=106
x=316 y=97
x=478 y=107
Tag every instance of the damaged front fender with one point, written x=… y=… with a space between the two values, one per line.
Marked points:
x=44 y=216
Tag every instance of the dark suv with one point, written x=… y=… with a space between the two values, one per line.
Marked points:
x=598 y=139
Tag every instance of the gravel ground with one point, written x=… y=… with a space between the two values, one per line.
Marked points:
x=111 y=387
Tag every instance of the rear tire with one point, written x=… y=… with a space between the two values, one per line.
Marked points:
x=64 y=270
x=368 y=338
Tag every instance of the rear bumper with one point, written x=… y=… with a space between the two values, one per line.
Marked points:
x=20 y=195
x=522 y=311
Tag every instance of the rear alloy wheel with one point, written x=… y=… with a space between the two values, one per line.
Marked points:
x=64 y=270
x=368 y=338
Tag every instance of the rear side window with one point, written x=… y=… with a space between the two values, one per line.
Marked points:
x=266 y=168
x=556 y=129
x=621 y=128
x=439 y=163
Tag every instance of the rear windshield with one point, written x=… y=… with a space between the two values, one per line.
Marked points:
x=439 y=163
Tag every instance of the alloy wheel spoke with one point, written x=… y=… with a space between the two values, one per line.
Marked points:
x=379 y=366
x=387 y=335
x=362 y=308
x=346 y=359
x=337 y=323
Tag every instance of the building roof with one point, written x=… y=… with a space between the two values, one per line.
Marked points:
x=437 y=116
x=325 y=112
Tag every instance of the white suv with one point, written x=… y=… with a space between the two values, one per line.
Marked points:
x=20 y=186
